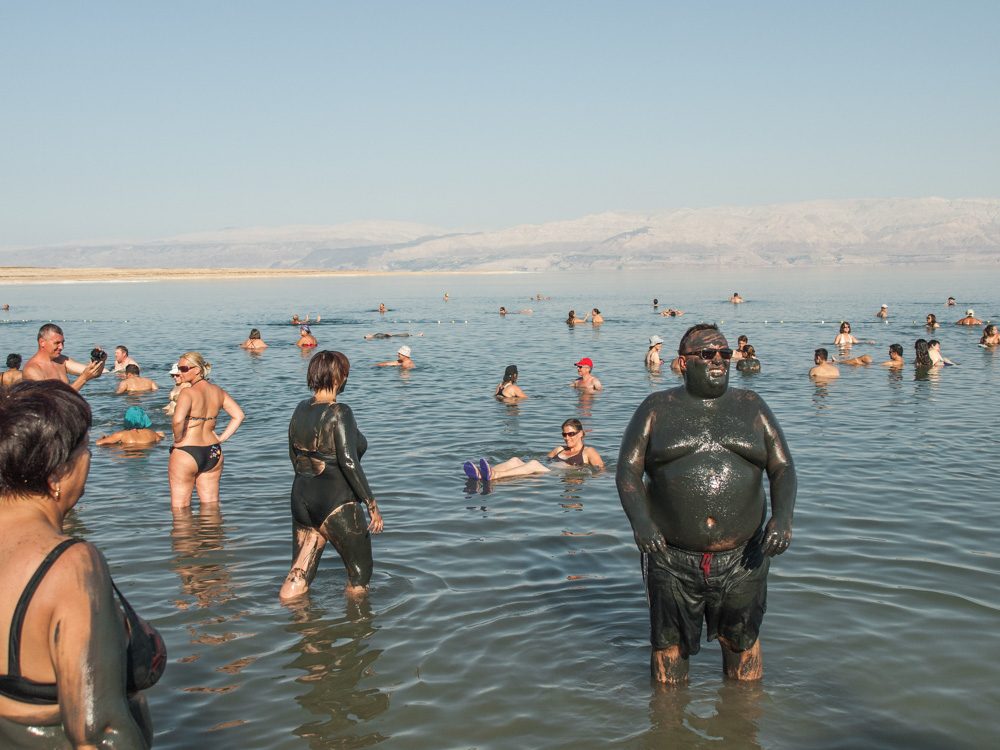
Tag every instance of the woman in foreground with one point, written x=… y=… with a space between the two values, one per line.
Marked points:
x=571 y=453
x=196 y=456
x=76 y=662
x=330 y=487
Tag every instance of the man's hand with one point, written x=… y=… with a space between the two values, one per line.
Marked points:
x=649 y=539
x=93 y=370
x=777 y=537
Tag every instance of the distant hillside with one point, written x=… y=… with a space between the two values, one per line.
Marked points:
x=855 y=232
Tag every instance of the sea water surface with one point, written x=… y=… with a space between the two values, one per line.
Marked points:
x=516 y=617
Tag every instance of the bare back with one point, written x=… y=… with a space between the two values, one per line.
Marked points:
x=197 y=411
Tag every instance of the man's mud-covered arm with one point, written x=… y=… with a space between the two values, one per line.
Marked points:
x=632 y=489
x=783 y=483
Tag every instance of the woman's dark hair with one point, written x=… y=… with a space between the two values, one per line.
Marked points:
x=571 y=316
x=573 y=422
x=749 y=351
x=44 y=422
x=844 y=325
x=327 y=371
x=510 y=374
x=254 y=333
x=931 y=318
x=923 y=359
x=13 y=361
x=896 y=348
x=741 y=337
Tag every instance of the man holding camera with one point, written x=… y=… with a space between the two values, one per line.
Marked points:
x=49 y=363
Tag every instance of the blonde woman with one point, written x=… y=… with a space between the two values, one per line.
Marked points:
x=196 y=456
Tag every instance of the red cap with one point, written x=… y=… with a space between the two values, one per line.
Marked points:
x=586 y=361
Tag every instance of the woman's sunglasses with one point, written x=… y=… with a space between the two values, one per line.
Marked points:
x=570 y=434
x=186 y=368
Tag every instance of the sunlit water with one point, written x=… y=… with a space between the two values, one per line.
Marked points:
x=517 y=618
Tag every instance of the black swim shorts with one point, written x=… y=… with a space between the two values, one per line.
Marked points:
x=728 y=590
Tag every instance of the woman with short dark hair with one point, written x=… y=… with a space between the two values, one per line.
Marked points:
x=330 y=487
x=76 y=661
x=254 y=342
x=13 y=374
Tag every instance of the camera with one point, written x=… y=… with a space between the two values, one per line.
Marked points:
x=98 y=355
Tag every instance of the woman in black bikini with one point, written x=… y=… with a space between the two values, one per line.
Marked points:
x=71 y=668
x=196 y=457
x=509 y=389
x=330 y=487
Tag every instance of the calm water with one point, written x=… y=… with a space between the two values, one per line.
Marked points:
x=517 y=618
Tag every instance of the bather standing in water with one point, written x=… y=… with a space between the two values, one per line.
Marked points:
x=508 y=388
x=689 y=477
x=254 y=342
x=330 y=487
x=196 y=456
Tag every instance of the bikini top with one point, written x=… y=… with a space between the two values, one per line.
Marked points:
x=576 y=460
x=146 y=654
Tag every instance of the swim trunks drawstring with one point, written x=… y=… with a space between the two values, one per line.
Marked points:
x=706 y=564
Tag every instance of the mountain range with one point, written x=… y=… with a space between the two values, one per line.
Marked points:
x=842 y=232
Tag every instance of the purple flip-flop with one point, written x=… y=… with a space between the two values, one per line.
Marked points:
x=485 y=472
x=470 y=470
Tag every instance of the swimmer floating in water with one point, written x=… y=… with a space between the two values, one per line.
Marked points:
x=572 y=453
x=138 y=431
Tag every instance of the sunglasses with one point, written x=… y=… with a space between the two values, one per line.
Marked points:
x=570 y=434
x=709 y=354
x=186 y=368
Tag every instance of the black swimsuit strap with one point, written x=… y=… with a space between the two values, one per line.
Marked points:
x=17 y=621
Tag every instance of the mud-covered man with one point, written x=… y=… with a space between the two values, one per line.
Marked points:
x=690 y=480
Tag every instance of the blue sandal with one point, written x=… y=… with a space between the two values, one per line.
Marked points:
x=485 y=472
x=470 y=470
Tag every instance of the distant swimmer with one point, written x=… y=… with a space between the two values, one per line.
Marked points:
x=736 y=298
x=503 y=310
x=381 y=307
x=134 y=382
x=895 y=357
x=297 y=321
x=586 y=381
x=6 y=307
x=508 y=388
x=574 y=320
x=595 y=317
x=656 y=303
x=934 y=352
x=306 y=339
x=823 y=369
x=970 y=319
x=13 y=375
x=883 y=312
x=446 y=297
x=122 y=359
x=672 y=312
x=950 y=302
x=990 y=338
x=49 y=363
x=653 y=353
x=845 y=337
x=175 y=391
x=931 y=321
x=864 y=359
x=138 y=430
x=403 y=359
x=370 y=336
x=748 y=362
x=254 y=342
x=741 y=343
x=572 y=453
x=922 y=358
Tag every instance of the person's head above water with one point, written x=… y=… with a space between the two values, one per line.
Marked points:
x=704 y=360
x=896 y=349
x=136 y=418
x=404 y=351
x=132 y=370
x=194 y=359
x=920 y=349
x=654 y=341
x=510 y=374
x=585 y=362
x=845 y=327
x=820 y=356
x=327 y=371
x=254 y=333
x=13 y=361
x=304 y=329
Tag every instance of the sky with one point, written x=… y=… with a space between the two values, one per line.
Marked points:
x=125 y=120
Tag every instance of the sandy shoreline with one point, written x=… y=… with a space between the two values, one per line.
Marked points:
x=42 y=275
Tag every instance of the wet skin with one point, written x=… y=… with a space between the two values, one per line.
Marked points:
x=705 y=448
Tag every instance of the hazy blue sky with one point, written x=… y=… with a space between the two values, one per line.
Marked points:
x=145 y=119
